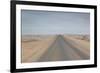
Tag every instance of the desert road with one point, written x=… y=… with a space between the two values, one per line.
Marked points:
x=62 y=50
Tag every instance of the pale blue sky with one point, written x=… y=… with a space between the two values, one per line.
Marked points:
x=50 y=22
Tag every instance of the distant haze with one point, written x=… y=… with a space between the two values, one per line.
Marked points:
x=50 y=22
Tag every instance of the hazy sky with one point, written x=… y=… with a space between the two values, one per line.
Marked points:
x=49 y=22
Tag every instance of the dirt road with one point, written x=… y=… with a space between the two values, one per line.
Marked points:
x=62 y=50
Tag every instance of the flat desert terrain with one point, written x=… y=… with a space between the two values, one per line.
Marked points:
x=44 y=48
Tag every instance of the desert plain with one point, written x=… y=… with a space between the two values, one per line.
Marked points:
x=47 y=48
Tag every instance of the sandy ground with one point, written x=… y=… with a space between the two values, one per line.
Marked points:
x=83 y=44
x=55 y=48
x=32 y=49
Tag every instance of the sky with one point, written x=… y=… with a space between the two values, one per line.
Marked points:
x=52 y=22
